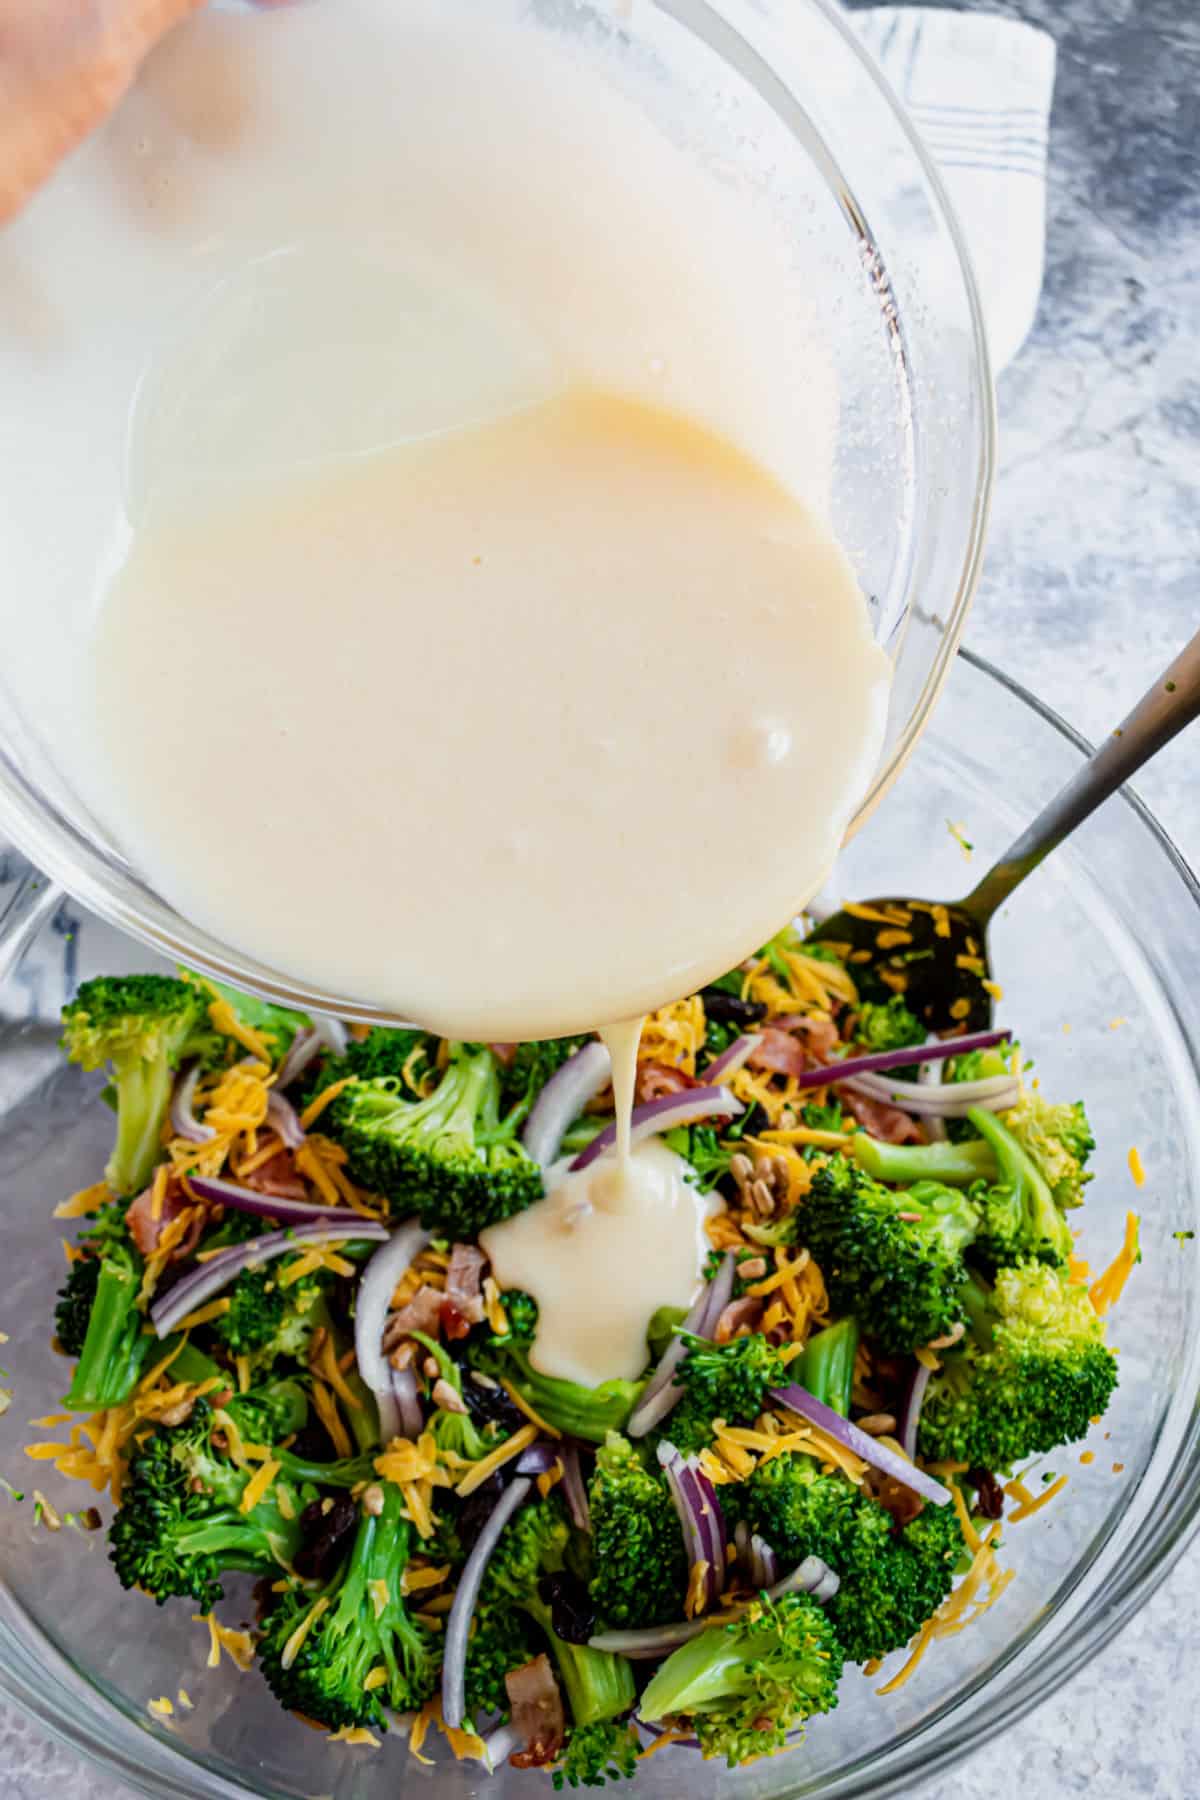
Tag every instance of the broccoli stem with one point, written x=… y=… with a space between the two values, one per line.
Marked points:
x=143 y=1096
x=976 y=1298
x=827 y=1366
x=115 y=1348
x=955 y=1165
x=598 y=1684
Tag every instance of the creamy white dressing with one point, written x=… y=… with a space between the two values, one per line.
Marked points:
x=600 y=1254
x=518 y=730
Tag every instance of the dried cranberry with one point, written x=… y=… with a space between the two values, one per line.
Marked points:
x=477 y=1509
x=989 y=1495
x=491 y=1404
x=326 y=1529
x=729 y=1009
x=571 y=1611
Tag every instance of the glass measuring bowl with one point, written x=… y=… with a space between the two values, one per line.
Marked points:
x=778 y=97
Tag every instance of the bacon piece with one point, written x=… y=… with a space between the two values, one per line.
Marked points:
x=746 y=1311
x=778 y=1051
x=421 y=1313
x=277 y=1177
x=819 y=1034
x=537 y=1713
x=885 y=1122
x=464 y=1282
x=145 y=1229
x=503 y=1053
x=654 y=1079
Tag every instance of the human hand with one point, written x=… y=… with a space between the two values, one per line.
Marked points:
x=64 y=65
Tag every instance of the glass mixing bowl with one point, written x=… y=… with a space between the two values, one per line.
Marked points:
x=777 y=97
x=1099 y=956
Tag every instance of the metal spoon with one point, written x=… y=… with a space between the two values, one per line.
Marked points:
x=934 y=952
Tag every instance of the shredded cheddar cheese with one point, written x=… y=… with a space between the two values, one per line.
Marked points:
x=522 y=1405
x=487 y=1465
x=87 y=1200
x=1028 y=1503
x=237 y=1645
x=356 y=1734
x=1106 y=1290
x=326 y=1097
x=258 y=1485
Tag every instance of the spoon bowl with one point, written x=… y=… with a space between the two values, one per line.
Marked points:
x=933 y=953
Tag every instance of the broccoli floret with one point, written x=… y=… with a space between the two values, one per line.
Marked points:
x=745 y=1688
x=893 y=1259
x=73 y=1309
x=143 y=1026
x=454 y=1431
x=180 y=1524
x=1018 y=1217
x=890 y=1581
x=598 y=1685
x=521 y=1311
x=597 y=1754
x=954 y=1165
x=449 y=1158
x=639 y=1565
x=383 y=1055
x=582 y=1412
x=888 y=1025
x=276 y=1025
x=530 y=1067
x=1059 y=1139
x=97 y=1317
x=700 y=1146
x=266 y=1321
x=722 y=1381
x=1032 y=1372
x=363 y=1625
x=823 y=1118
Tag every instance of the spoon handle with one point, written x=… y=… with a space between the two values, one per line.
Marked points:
x=1172 y=703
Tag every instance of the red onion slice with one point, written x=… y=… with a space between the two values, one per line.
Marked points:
x=211 y=1277
x=952 y=1100
x=458 y=1624
x=498 y=1746
x=332 y=1033
x=913 y=1402
x=664 y=1114
x=731 y=1059
x=812 y=1576
x=930 y=1075
x=899 y=1059
x=184 y=1122
x=539 y=1459
x=869 y=1449
x=400 y=1412
x=304 y=1048
x=700 y=1516
x=763 y=1562
x=563 y=1098
x=286 y=1120
x=269 y=1206
x=375 y=1289
x=661 y=1392
x=575 y=1488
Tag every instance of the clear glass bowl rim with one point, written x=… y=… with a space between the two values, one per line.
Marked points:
x=99 y=879
x=40 y=1681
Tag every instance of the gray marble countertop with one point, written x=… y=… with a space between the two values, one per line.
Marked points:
x=1089 y=588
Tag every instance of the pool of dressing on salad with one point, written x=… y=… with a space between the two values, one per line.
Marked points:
x=474 y=643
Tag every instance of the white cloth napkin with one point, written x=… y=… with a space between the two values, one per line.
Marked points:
x=979 y=89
